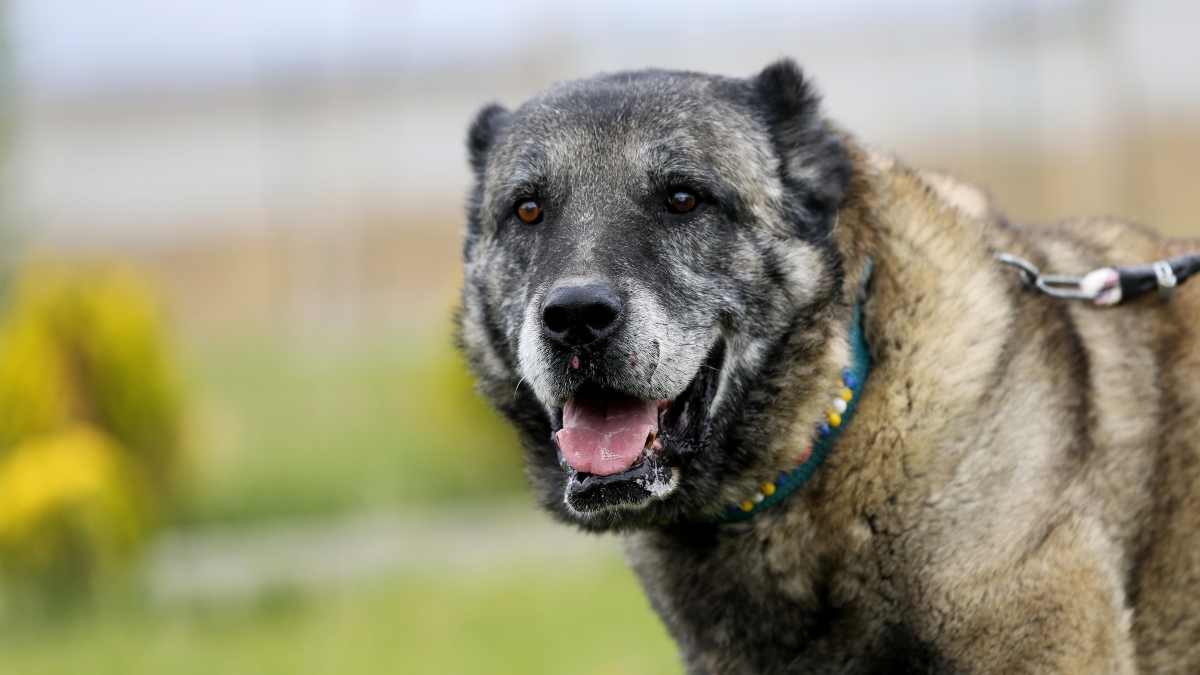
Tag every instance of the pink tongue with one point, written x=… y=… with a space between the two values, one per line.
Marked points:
x=604 y=436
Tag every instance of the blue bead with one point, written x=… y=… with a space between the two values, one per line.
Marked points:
x=824 y=429
x=734 y=508
x=849 y=379
x=783 y=478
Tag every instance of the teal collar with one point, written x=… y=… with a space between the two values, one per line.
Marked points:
x=842 y=409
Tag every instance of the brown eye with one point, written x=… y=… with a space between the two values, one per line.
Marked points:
x=682 y=202
x=529 y=211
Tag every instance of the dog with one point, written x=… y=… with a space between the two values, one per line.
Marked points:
x=672 y=279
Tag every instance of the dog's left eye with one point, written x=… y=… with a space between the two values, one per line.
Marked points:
x=529 y=211
x=681 y=201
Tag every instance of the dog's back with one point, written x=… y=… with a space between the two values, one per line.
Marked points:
x=1141 y=360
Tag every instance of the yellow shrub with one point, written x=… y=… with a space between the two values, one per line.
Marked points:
x=89 y=420
x=136 y=392
x=72 y=505
x=35 y=396
x=84 y=343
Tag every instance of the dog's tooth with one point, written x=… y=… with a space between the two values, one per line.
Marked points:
x=650 y=440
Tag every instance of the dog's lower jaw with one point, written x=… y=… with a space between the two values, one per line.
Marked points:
x=650 y=479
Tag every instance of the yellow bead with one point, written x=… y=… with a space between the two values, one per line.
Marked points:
x=768 y=489
x=846 y=394
x=835 y=420
x=747 y=505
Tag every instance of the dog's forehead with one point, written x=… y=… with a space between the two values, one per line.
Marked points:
x=628 y=126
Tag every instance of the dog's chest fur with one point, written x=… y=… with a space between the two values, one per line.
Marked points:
x=769 y=597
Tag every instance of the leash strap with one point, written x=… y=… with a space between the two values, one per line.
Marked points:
x=1109 y=286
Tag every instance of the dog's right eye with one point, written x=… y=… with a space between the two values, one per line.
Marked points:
x=529 y=211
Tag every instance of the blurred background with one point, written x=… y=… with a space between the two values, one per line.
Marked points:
x=234 y=434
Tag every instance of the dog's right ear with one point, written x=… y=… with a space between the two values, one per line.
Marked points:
x=487 y=125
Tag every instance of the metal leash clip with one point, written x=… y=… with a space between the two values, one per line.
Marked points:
x=1108 y=286
x=1166 y=280
x=1054 y=285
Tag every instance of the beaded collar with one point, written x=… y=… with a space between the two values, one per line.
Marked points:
x=841 y=409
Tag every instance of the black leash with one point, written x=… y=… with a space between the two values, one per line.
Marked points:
x=1109 y=286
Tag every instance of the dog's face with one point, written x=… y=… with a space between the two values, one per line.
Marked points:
x=639 y=247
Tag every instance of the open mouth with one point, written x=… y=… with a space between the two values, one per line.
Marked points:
x=622 y=451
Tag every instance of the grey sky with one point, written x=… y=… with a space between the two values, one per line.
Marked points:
x=74 y=44
x=909 y=75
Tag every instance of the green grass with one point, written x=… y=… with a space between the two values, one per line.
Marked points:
x=293 y=430
x=282 y=429
x=594 y=620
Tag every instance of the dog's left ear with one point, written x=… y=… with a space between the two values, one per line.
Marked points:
x=815 y=165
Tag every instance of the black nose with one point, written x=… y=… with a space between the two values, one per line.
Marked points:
x=579 y=315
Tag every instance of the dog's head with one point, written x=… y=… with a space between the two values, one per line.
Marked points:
x=640 y=248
